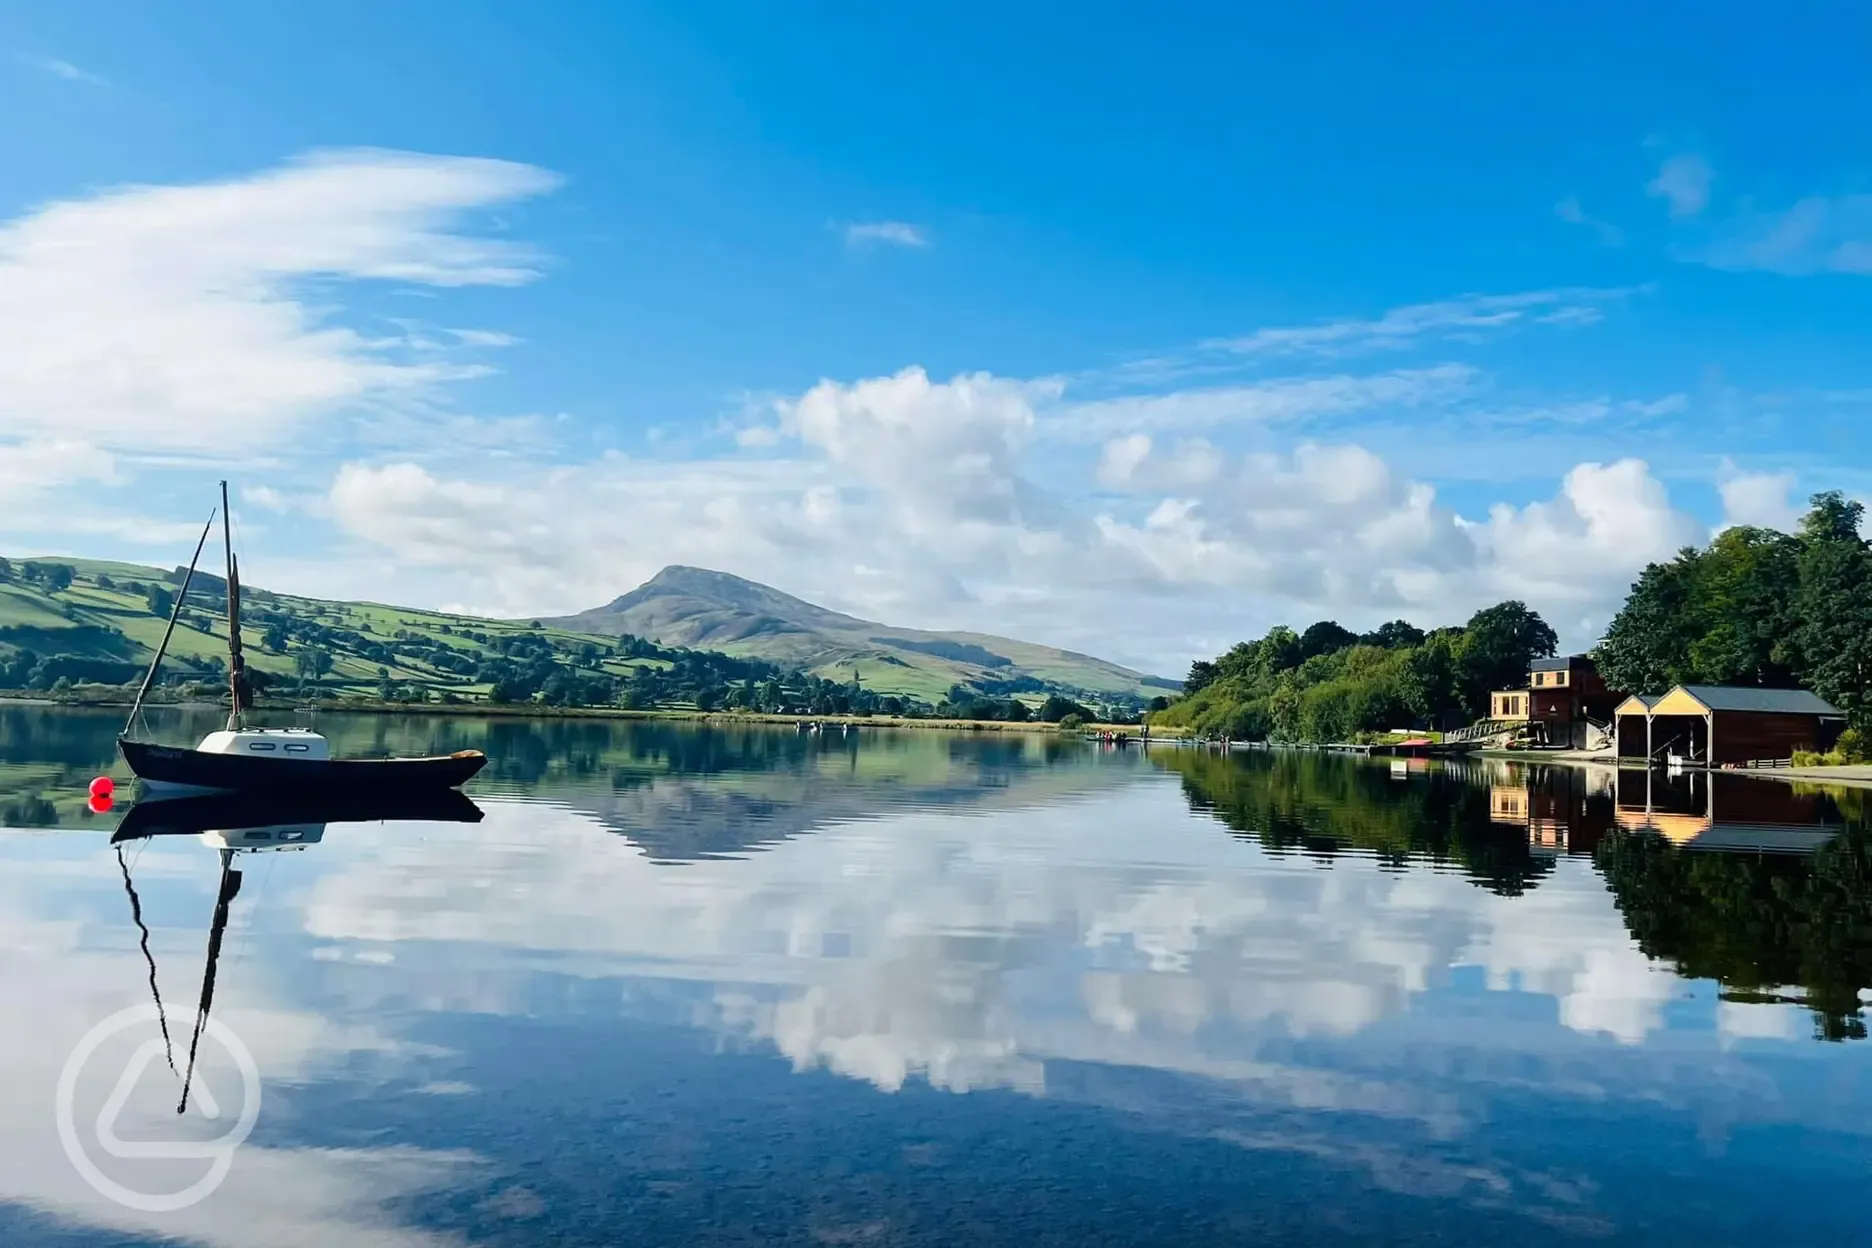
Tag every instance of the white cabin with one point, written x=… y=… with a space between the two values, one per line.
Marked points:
x=279 y=836
x=299 y=743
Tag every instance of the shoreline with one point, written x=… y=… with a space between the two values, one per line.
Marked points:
x=479 y=710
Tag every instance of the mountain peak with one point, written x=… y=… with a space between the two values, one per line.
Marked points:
x=706 y=609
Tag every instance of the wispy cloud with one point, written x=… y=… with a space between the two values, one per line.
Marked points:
x=1467 y=318
x=168 y=319
x=1819 y=234
x=64 y=69
x=1684 y=182
x=1286 y=399
x=1570 y=211
x=890 y=233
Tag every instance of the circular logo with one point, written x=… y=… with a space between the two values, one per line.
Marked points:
x=219 y=1153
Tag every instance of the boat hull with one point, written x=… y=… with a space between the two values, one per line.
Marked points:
x=194 y=814
x=173 y=768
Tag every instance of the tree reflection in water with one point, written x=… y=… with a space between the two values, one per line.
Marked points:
x=1762 y=886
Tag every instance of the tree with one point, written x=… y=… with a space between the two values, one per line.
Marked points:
x=6 y=570
x=313 y=662
x=105 y=582
x=1279 y=650
x=58 y=576
x=1056 y=708
x=1498 y=644
x=1324 y=638
x=1397 y=635
x=1159 y=703
x=1202 y=674
x=274 y=638
x=160 y=601
x=1427 y=683
x=1835 y=635
x=1746 y=595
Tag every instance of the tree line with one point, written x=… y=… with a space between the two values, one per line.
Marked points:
x=1756 y=607
x=1331 y=684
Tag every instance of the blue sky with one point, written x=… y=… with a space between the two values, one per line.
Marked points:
x=1222 y=318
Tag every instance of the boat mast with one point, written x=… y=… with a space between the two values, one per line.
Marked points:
x=230 y=885
x=136 y=916
x=175 y=613
x=237 y=666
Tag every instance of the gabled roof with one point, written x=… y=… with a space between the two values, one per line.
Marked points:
x=1645 y=700
x=1767 y=701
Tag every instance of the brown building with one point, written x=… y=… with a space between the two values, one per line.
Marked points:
x=1563 y=699
x=1564 y=809
x=1716 y=725
x=1711 y=811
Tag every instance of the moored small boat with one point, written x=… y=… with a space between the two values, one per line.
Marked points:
x=241 y=759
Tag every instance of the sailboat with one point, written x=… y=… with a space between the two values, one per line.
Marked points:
x=243 y=759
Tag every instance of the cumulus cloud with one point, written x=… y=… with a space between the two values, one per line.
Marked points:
x=171 y=318
x=1578 y=552
x=1759 y=499
x=910 y=499
x=1683 y=182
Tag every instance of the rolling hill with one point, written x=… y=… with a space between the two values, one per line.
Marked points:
x=697 y=639
x=695 y=607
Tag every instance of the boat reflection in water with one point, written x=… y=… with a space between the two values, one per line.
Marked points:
x=238 y=824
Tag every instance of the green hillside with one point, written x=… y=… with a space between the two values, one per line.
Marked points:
x=77 y=624
x=696 y=607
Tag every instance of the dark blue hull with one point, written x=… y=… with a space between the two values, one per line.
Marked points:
x=174 y=767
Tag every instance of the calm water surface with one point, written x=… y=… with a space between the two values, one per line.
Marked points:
x=691 y=986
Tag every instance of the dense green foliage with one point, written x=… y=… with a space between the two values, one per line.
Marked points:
x=1756 y=607
x=1329 y=684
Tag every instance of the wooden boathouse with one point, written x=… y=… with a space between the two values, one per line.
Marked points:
x=1724 y=725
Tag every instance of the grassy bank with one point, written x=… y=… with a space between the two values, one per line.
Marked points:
x=484 y=710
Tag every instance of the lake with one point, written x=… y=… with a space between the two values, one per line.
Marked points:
x=693 y=985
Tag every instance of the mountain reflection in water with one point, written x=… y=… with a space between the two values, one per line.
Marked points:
x=676 y=984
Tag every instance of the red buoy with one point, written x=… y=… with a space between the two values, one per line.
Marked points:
x=103 y=786
x=100 y=803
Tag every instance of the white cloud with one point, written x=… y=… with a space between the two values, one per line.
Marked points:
x=1286 y=399
x=908 y=499
x=1683 y=181
x=264 y=497
x=65 y=69
x=1572 y=212
x=1816 y=235
x=483 y=338
x=892 y=233
x=51 y=463
x=1466 y=318
x=169 y=318
x=1758 y=498
x=944 y=454
x=1575 y=555
x=1119 y=461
